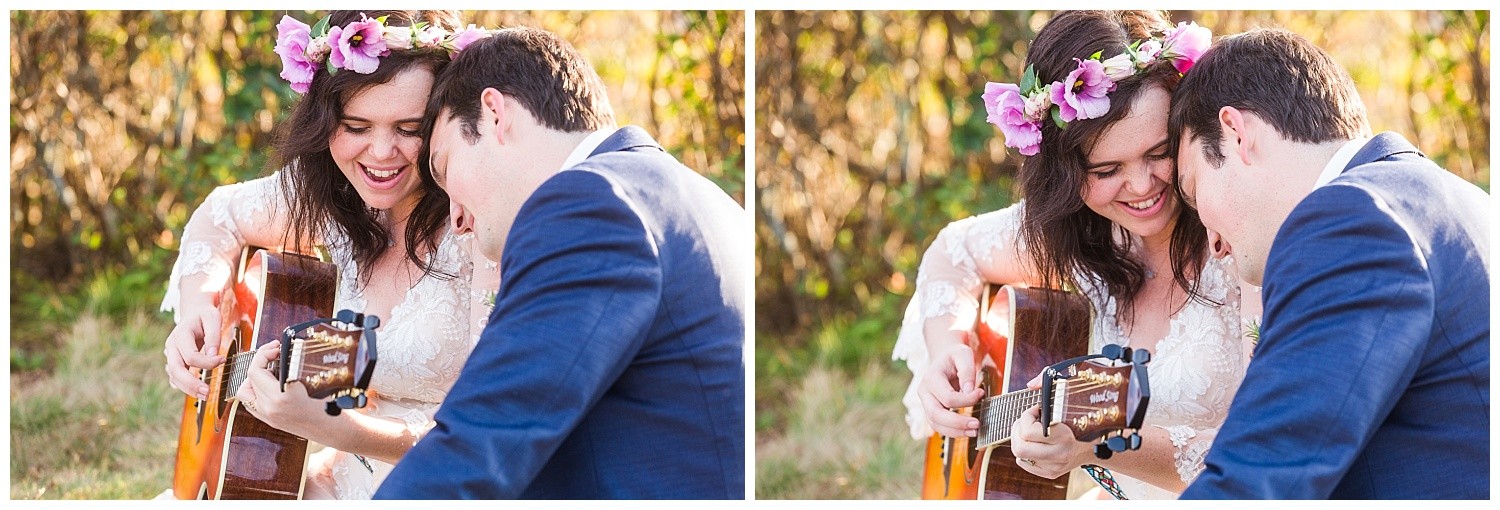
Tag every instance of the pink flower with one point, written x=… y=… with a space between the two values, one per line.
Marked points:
x=466 y=37
x=1007 y=111
x=358 y=47
x=292 y=40
x=1185 y=44
x=1083 y=94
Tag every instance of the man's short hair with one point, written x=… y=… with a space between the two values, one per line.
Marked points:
x=1279 y=76
x=538 y=69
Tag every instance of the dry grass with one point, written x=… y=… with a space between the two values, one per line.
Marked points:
x=103 y=423
x=842 y=437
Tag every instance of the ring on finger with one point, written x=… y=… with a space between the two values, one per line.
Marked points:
x=1029 y=461
x=250 y=404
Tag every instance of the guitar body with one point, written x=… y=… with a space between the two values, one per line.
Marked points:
x=223 y=452
x=1021 y=331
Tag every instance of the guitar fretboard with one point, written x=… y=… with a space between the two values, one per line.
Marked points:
x=236 y=367
x=997 y=414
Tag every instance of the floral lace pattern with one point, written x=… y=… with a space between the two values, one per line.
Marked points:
x=1194 y=372
x=423 y=344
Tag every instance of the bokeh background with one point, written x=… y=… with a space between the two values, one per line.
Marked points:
x=871 y=137
x=122 y=122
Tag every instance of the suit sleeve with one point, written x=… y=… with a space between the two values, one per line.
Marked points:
x=581 y=285
x=1348 y=311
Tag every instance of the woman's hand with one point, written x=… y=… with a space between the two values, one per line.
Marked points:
x=291 y=411
x=1049 y=456
x=951 y=382
x=186 y=348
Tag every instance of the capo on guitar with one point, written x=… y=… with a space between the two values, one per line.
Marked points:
x=1061 y=370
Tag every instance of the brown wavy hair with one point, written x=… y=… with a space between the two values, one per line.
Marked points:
x=1067 y=238
x=320 y=197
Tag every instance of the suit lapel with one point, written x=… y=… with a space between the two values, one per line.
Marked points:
x=1381 y=147
x=627 y=138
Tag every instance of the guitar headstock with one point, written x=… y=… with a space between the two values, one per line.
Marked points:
x=331 y=357
x=1094 y=399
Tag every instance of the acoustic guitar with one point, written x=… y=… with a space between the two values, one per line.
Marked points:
x=1021 y=331
x=223 y=452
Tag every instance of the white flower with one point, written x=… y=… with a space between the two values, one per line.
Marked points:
x=430 y=36
x=397 y=38
x=1119 y=67
x=318 y=48
x=1038 y=103
x=1148 y=51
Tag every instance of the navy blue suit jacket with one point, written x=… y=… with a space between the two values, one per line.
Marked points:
x=1372 y=376
x=612 y=366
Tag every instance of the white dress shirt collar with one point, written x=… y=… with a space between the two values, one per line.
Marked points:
x=1340 y=160
x=586 y=147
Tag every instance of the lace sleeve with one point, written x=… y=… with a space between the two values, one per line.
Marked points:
x=964 y=255
x=234 y=215
x=1191 y=446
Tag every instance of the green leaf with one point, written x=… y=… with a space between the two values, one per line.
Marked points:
x=1096 y=55
x=321 y=27
x=381 y=20
x=1057 y=118
x=1028 y=80
x=331 y=70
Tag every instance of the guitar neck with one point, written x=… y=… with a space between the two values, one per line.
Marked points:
x=236 y=368
x=996 y=415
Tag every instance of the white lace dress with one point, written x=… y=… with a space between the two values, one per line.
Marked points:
x=423 y=343
x=1194 y=372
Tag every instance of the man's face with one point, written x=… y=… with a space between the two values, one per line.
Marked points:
x=473 y=178
x=1224 y=202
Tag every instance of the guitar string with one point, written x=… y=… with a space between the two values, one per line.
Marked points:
x=239 y=365
x=1007 y=408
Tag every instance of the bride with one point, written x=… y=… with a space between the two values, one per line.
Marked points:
x=1101 y=216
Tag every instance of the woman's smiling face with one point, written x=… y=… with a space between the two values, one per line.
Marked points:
x=1129 y=170
x=377 y=140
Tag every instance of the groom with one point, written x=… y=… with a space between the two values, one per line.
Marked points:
x=612 y=365
x=1371 y=379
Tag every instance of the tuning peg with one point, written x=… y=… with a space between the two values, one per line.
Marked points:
x=347 y=316
x=333 y=409
x=1117 y=443
x=1112 y=351
x=1142 y=356
x=1135 y=441
x=372 y=322
x=1102 y=452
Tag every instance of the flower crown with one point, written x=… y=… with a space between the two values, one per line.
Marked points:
x=1018 y=110
x=356 y=46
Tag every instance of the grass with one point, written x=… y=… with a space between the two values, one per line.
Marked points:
x=102 y=422
x=838 y=435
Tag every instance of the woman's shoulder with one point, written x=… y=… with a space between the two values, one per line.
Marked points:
x=1005 y=222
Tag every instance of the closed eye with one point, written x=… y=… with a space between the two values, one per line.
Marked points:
x=1103 y=173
